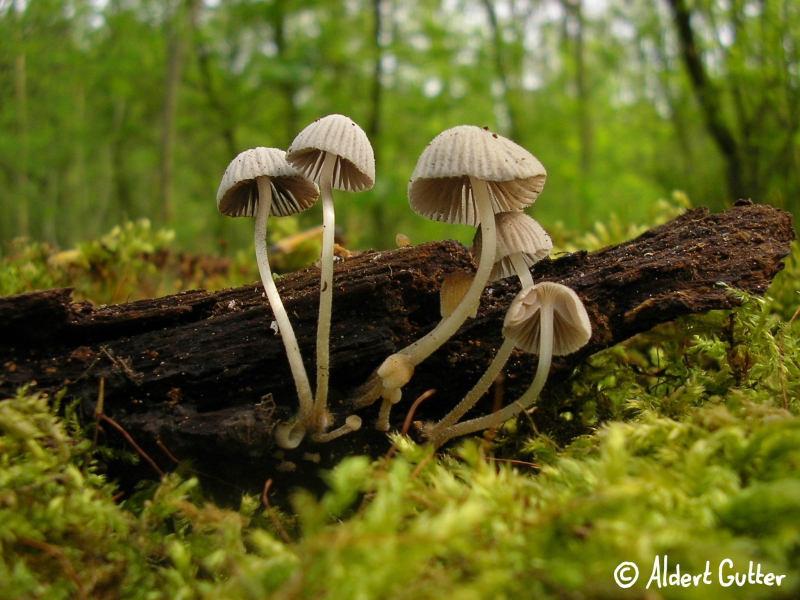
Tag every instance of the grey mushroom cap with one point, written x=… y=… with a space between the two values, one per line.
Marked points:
x=571 y=326
x=516 y=233
x=238 y=192
x=440 y=186
x=355 y=166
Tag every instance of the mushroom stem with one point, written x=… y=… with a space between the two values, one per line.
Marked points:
x=368 y=392
x=284 y=325
x=524 y=401
x=475 y=393
x=352 y=423
x=326 y=292
x=447 y=327
x=523 y=272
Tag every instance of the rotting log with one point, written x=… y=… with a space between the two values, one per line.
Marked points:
x=206 y=375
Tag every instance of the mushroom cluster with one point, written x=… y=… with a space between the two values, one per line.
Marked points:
x=466 y=175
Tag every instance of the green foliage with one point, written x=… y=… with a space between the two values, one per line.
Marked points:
x=114 y=111
x=130 y=262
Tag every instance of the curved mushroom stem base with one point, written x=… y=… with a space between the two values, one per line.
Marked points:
x=369 y=391
x=524 y=401
x=289 y=435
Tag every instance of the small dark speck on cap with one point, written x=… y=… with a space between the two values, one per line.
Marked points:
x=486 y=128
x=494 y=135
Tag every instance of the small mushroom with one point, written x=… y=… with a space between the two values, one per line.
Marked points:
x=258 y=183
x=521 y=243
x=351 y=423
x=547 y=317
x=394 y=373
x=333 y=152
x=465 y=176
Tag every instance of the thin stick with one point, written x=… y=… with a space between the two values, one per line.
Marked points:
x=129 y=439
x=272 y=515
x=409 y=418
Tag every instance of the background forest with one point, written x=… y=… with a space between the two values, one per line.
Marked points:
x=117 y=120
x=114 y=110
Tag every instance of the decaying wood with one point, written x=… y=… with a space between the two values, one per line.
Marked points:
x=206 y=375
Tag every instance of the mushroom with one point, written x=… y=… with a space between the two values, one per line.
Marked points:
x=394 y=373
x=547 y=317
x=465 y=176
x=521 y=243
x=333 y=152
x=259 y=183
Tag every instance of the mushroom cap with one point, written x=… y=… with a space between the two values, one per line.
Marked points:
x=571 y=326
x=516 y=233
x=238 y=192
x=355 y=166
x=353 y=422
x=440 y=188
x=454 y=288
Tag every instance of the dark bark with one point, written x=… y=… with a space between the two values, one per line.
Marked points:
x=205 y=374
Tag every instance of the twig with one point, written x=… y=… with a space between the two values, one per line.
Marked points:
x=275 y=521
x=409 y=418
x=420 y=466
x=122 y=365
x=129 y=439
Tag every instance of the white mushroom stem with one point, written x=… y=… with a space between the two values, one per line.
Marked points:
x=525 y=401
x=352 y=423
x=369 y=392
x=523 y=272
x=475 y=393
x=447 y=327
x=389 y=399
x=284 y=325
x=326 y=292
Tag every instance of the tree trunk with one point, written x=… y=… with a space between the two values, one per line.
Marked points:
x=21 y=90
x=206 y=374
x=708 y=98
x=176 y=57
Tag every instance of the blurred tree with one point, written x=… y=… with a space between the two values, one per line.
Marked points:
x=743 y=72
x=132 y=108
